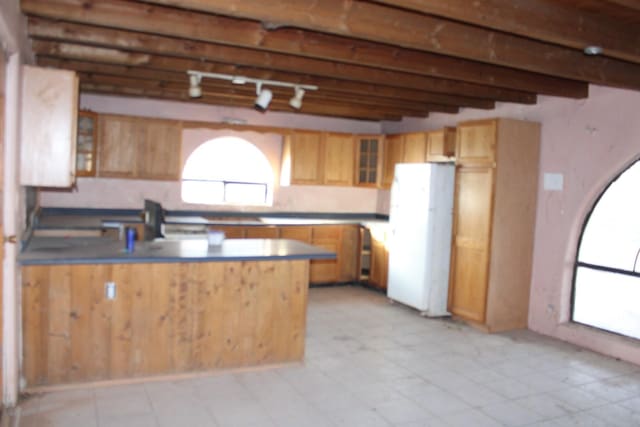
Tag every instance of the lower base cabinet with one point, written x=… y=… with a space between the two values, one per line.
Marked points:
x=379 y=258
x=343 y=239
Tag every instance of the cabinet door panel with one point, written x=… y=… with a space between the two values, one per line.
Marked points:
x=325 y=270
x=230 y=231
x=300 y=233
x=472 y=228
x=379 y=263
x=476 y=142
x=159 y=156
x=369 y=160
x=469 y=292
x=118 y=145
x=48 y=127
x=441 y=145
x=415 y=148
x=339 y=159
x=393 y=154
x=262 y=232
x=349 y=253
x=306 y=159
x=87 y=137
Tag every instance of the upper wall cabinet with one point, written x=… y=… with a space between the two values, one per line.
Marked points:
x=393 y=154
x=304 y=150
x=319 y=158
x=139 y=148
x=339 y=159
x=441 y=145
x=48 y=127
x=476 y=143
x=368 y=160
x=415 y=147
x=87 y=139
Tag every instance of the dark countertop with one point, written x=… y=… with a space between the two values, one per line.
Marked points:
x=92 y=222
x=56 y=250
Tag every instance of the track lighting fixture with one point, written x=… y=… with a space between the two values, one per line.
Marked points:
x=195 y=91
x=296 y=100
x=264 y=95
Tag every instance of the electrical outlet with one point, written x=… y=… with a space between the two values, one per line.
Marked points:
x=110 y=290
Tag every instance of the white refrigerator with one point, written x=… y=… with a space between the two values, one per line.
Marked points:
x=420 y=219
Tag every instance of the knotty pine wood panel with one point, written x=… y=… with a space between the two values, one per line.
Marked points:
x=166 y=318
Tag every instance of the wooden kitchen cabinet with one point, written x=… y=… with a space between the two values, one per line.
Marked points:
x=368 y=160
x=325 y=270
x=159 y=153
x=48 y=127
x=117 y=146
x=304 y=151
x=441 y=145
x=86 y=140
x=319 y=158
x=139 y=148
x=379 y=258
x=339 y=159
x=262 y=232
x=344 y=241
x=301 y=233
x=415 y=147
x=230 y=231
x=476 y=143
x=494 y=219
x=393 y=154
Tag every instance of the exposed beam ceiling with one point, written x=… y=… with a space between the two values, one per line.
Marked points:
x=373 y=60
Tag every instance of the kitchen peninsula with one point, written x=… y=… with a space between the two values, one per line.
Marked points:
x=93 y=312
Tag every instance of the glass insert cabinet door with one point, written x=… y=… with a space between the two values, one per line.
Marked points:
x=368 y=154
x=86 y=143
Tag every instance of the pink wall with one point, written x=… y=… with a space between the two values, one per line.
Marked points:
x=120 y=193
x=589 y=142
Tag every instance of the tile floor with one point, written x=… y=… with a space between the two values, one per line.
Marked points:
x=371 y=363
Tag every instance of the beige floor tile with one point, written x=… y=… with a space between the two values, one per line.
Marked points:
x=371 y=363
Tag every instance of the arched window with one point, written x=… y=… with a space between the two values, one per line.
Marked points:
x=227 y=170
x=606 y=291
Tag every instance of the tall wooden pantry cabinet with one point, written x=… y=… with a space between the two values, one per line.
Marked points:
x=494 y=218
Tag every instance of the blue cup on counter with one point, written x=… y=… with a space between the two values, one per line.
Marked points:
x=130 y=239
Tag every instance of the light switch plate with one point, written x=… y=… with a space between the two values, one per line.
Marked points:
x=553 y=181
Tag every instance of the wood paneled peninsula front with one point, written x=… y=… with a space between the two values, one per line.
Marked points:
x=178 y=307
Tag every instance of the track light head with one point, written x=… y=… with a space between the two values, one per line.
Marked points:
x=195 y=91
x=264 y=97
x=296 y=100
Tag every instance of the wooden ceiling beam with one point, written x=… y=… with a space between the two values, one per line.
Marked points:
x=60 y=50
x=378 y=23
x=100 y=72
x=248 y=96
x=630 y=4
x=363 y=92
x=545 y=20
x=122 y=86
x=229 y=31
